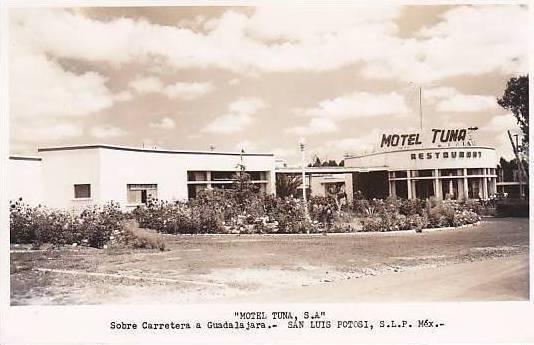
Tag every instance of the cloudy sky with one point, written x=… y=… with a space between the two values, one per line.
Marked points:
x=260 y=78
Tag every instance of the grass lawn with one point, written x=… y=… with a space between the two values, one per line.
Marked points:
x=204 y=268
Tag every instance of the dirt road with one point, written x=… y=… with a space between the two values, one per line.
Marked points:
x=499 y=279
x=486 y=262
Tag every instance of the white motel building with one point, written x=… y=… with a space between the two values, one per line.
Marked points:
x=76 y=176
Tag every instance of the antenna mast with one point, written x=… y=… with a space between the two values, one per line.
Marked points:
x=522 y=172
x=421 y=108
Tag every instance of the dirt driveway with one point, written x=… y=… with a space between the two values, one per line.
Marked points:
x=223 y=268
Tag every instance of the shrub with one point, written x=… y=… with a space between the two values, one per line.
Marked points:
x=289 y=215
x=465 y=217
x=512 y=208
x=441 y=215
x=417 y=222
x=411 y=207
x=372 y=224
x=23 y=222
x=234 y=211
x=366 y=208
x=133 y=237
x=91 y=227
x=324 y=210
x=391 y=214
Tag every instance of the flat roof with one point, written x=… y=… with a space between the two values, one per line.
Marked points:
x=24 y=158
x=140 y=149
x=339 y=170
x=419 y=149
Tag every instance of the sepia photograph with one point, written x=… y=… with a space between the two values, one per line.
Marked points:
x=365 y=153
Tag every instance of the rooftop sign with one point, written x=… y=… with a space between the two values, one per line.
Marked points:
x=413 y=139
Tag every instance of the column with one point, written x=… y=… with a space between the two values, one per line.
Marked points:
x=437 y=185
x=271 y=184
x=392 y=190
x=409 y=184
x=485 y=193
x=208 y=178
x=349 y=190
x=465 y=185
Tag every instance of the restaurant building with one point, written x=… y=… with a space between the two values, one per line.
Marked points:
x=450 y=167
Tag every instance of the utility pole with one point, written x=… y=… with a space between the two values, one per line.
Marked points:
x=303 y=166
x=522 y=172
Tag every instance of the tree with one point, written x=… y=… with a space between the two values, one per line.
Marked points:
x=326 y=163
x=506 y=168
x=316 y=162
x=287 y=185
x=515 y=99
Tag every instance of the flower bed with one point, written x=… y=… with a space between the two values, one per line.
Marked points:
x=226 y=211
x=93 y=227
x=232 y=211
x=393 y=214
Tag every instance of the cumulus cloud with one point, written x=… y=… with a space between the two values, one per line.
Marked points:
x=186 y=91
x=165 y=123
x=360 y=104
x=39 y=87
x=240 y=115
x=465 y=103
x=234 y=81
x=448 y=99
x=457 y=46
x=353 y=145
x=315 y=126
x=148 y=84
x=501 y=123
x=107 y=132
x=327 y=113
x=329 y=38
x=123 y=96
x=48 y=132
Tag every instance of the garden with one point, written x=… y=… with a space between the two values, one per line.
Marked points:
x=240 y=210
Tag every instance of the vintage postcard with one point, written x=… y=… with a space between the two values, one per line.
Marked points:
x=266 y=172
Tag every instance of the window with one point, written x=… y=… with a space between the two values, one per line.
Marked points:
x=82 y=191
x=422 y=173
x=196 y=176
x=140 y=193
x=256 y=175
x=451 y=172
x=399 y=174
x=474 y=171
x=222 y=175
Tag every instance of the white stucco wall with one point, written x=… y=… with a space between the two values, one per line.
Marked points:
x=63 y=169
x=25 y=179
x=167 y=170
x=109 y=171
x=402 y=159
